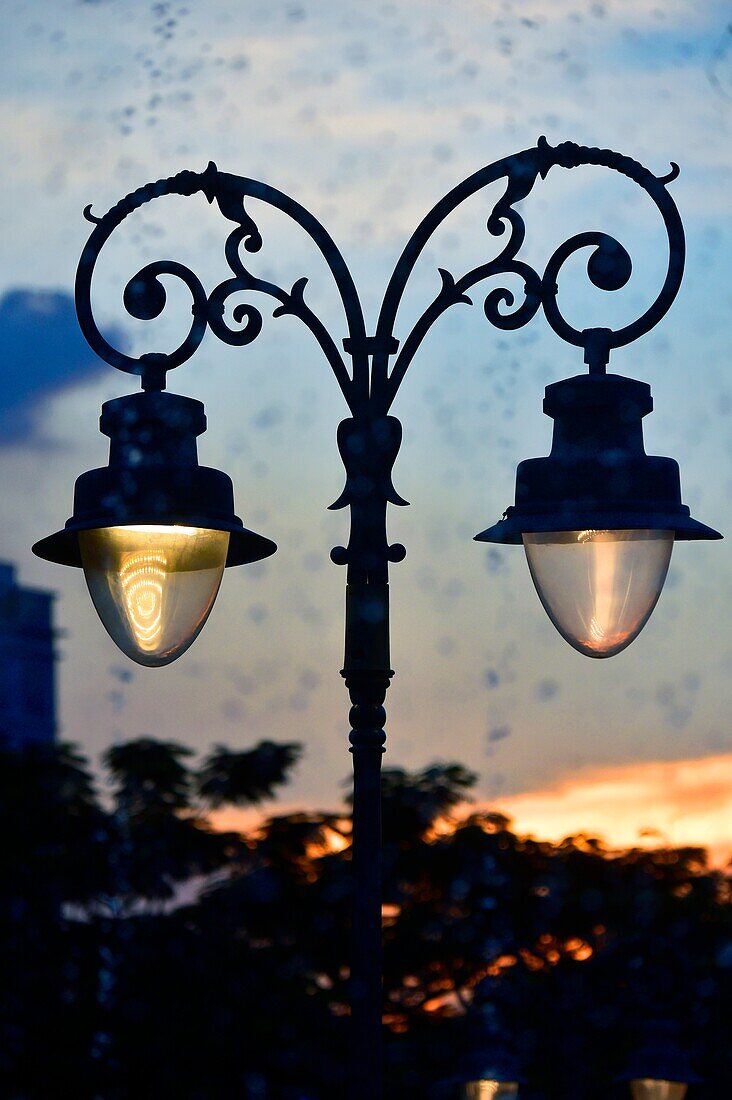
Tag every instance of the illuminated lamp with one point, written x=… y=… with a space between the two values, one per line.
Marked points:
x=153 y=530
x=598 y=517
x=659 y=1068
x=490 y=1072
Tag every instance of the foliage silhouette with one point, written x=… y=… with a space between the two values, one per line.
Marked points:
x=145 y=953
x=245 y=778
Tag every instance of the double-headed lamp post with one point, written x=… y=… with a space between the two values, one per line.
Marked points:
x=153 y=531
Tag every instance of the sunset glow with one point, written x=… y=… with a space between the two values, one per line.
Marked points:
x=656 y=804
x=670 y=803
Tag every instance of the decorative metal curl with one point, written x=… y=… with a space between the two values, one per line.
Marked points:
x=291 y=303
x=609 y=266
x=243 y=314
x=145 y=295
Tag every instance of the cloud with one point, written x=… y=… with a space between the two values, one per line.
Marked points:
x=44 y=352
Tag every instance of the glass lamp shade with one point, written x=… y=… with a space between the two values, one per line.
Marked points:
x=599 y=587
x=153 y=586
x=490 y=1090
x=648 y=1089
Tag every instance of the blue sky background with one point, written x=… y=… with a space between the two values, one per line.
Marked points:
x=368 y=113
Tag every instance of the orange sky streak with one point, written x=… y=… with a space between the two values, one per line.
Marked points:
x=668 y=803
x=672 y=803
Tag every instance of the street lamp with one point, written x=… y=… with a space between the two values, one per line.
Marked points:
x=660 y=1068
x=489 y=1072
x=598 y=518
x=153 y=530
x=492 y=1073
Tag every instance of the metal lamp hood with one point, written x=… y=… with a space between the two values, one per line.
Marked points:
x=597 y=476
x=153 y=478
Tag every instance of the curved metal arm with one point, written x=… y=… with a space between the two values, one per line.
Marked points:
x=369 y=441
x=145 y=295
x=608 y=268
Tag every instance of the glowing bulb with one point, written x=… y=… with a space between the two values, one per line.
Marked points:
x=647 y=1089
x=490 y=1090
x=599 y=587
x=153 y=586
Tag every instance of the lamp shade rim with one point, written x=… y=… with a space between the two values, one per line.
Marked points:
x=687 y=1078
x=245 y=546
x=519 y=521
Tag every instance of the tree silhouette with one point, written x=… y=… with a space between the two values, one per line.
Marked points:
x=53 y=855
x=245 y=778
x=146 y=954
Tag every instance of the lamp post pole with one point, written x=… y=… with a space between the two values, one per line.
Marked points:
x=161 y=428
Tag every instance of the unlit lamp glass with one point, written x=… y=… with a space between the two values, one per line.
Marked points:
x=649 y=1089
x=598 y=516
x=599 y=587
x=153 y=586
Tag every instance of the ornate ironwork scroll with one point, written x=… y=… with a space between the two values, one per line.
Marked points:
x=609 y=267
x=145 y=296
x=371 y=384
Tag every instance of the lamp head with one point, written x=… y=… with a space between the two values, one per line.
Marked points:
x=659 y=1068
x=647 y=1088
x=490 y=1070
x=598 y=516
x=153 y=530
x=490 y=1089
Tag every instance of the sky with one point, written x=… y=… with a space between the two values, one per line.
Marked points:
x=367 y=114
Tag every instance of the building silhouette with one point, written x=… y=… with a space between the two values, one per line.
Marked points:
x=27 y=659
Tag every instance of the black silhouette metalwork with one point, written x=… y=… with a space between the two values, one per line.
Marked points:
x=369 y=439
